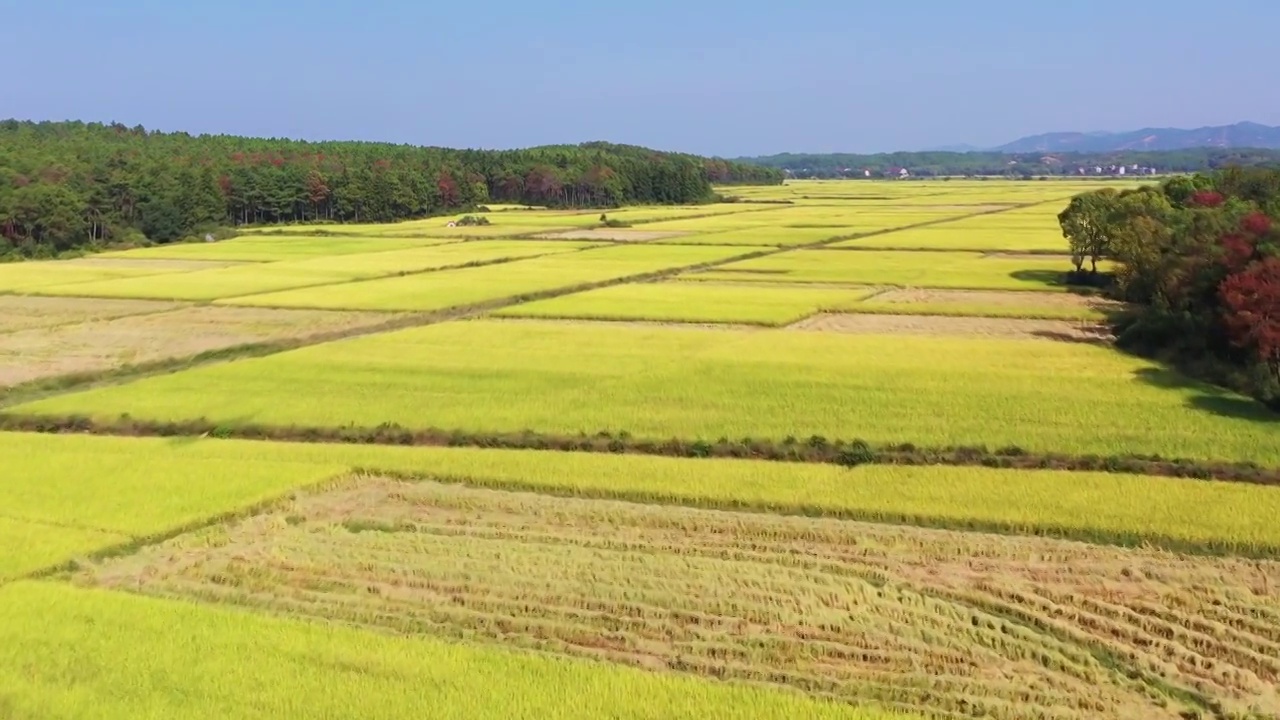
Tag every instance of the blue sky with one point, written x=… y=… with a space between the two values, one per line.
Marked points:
x=726 y=78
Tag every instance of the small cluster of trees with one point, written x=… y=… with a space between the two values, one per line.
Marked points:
x=1199 y=256
x=68 y=185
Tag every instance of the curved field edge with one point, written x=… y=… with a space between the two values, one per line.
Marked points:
x=150 y=489
x=67 y=652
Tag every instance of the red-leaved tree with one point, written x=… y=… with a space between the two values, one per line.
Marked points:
x=1208 y=198
x=1251 y=299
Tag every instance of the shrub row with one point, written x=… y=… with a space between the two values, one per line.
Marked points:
x=815 y=449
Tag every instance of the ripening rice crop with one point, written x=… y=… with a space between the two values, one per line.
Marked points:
x=27 y=546
x=33 y=276
x=258 y=278
x=79 y=654
x=271 y=248
x=766 y=236
x=659 y=382
x=467 y=286
x=907 y=269
x=692 y=302
x=167 y=480
x=975 y=237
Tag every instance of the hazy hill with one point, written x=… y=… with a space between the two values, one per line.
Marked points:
x=1239 y=135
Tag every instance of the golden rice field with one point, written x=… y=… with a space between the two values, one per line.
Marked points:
x=659 y=382
x=197 y=575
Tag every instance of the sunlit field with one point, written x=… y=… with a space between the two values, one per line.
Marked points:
x=826 y=449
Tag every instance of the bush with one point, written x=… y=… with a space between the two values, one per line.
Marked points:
x=471 y=220
x=856 y=453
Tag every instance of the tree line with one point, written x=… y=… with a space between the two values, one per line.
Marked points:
x=68 y=185
x=997 y=164
x=1199 y=256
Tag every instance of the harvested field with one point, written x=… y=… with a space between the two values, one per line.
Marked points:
x=992 y=297
x=38 y=353
x=1006 y=328
x=989 y=303
x=950 y=624
x=26 y=312
x=614 y=234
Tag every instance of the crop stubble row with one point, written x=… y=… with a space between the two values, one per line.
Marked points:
x=955 y=624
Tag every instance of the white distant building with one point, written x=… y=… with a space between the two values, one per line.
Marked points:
x=903 y=173
x=1121 y=170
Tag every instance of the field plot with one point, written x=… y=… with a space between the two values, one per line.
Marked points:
x=455 y=288
x=693 y=302
x=609 y=234
x=30 y=276
x=966 y=236
x=843 y=220
x=27 y=312
x=971 y=624
x=987 y=303
x=899 y=268
x=767 y=236
x=139 y=487
x=319 y=271
x=955 y=326
x=271 y=248
x=659 y=382
x=1029 y=229
x=37 y=353
x=30 y=546
x=73 y=654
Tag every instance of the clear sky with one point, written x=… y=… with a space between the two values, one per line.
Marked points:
x=732 y=77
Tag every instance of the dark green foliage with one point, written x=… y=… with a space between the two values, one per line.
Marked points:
x=70 y=185
x=472 y=220
x=1199 y=259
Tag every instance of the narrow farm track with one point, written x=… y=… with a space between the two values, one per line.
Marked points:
x=950 y=624
x=46 y=388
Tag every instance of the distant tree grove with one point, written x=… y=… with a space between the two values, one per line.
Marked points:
x=1199 y=256
x=69 y=185
x=1011 y=165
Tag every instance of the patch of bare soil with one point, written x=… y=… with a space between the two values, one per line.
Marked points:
x=159 y=265
x=18 y=312
x=995 y=297
x=96 y=346
x=937 y=325
x=614 y=234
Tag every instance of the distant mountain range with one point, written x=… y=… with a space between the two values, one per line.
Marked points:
x=1239 y=135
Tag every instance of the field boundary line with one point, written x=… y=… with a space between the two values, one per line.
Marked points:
x=819 y=450
x=137 y=542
